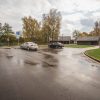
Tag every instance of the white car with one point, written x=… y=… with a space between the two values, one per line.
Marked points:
x=29 y=46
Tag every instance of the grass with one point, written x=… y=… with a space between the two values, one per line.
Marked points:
x=95 y=53
x=77 y=46
x=71 y=46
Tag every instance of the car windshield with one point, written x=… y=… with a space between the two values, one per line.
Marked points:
x=59 y=43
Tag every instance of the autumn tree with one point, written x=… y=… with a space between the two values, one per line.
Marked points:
x=51 y=25
x=48 y=29
x=92 y=33
x=84 y=34
x=30 y=28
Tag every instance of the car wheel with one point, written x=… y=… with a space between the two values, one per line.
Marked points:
x=57 y=46
x=35 y=49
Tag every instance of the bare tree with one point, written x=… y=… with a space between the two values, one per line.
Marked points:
x=76 y=34
x=97 y=28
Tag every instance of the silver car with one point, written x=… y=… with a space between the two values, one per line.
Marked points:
x=29 y=46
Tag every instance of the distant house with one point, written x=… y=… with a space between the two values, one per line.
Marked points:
x=72 y=41
x=63 y=39
x=90 y=40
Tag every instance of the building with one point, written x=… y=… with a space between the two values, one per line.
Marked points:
x=90 y=40
x=64 y=39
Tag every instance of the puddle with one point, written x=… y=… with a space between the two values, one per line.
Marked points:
x=30 y=62
x=50 y=60
x=49 y=64
x=9 y=56
x=54 y=51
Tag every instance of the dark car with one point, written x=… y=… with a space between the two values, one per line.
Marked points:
x=55 y=45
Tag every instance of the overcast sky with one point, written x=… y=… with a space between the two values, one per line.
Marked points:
x=76 y=14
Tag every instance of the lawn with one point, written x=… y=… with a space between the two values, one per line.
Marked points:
x=77 y=46
x=95 y=53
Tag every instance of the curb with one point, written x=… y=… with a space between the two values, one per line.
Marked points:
x=91 y=57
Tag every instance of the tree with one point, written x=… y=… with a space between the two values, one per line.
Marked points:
x=76 y=34
x=0 y=29
x=7 y=33
x=30 y=28
x=96 y=29
x=91 y=33
x=51 y=25
x=84 y=34
x=7 y=29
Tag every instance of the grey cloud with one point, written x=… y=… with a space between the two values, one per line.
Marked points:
x=87 y=22
x=12 y=11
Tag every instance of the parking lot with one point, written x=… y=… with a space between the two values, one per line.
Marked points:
x=48 y=74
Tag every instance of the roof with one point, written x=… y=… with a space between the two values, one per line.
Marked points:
x=64 y=38
x=89 y=38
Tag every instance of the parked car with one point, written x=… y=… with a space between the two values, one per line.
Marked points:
x=55 y=45
x=29 y=46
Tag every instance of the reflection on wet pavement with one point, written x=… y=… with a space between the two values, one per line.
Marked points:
x=49 y=61
x=48 y=74
x=30 y=62
x=54 y=51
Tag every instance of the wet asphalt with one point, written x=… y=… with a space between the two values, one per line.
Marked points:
x=48 y=74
